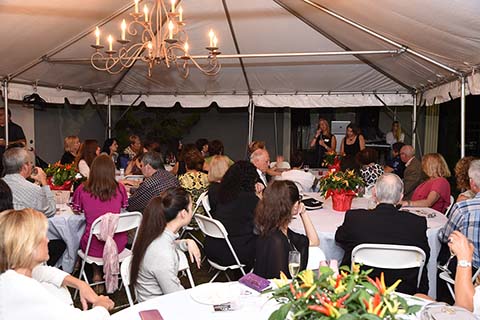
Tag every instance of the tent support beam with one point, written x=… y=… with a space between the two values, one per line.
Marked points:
x=65 y=45
x=5 y=96
x=385 y=39
x=462 y=119
x=109 y=111
x=414 y=121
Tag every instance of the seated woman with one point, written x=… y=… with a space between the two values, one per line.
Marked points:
x=23 y=248
x=369 y=169
x=463 y=181
x=110 y=148
x=155 y=261
x=194 y=181
x=435 y=191
x=100 y=194
x=218 y=167
x=466 y=295
x=395 y=135
x=71 y=144
x=237 y=199
x=87 y=152
x=280 y=203
x=215 y=147
x=180 y=167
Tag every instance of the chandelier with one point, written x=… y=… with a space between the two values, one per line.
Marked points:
x=162 y=40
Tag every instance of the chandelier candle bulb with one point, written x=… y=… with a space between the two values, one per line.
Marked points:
x=186 y=48
x=173 y=5
x=180 y=14
x=136 y=6
x=110 y=42
x=170 y=30
x=215 y=41
x=97 y=36
x=211 y=35
x=124 y=28
x=145 y=12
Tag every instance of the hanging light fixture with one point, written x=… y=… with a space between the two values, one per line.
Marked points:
x=162 y=39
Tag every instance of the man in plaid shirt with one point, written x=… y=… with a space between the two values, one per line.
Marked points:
x=465 y=215
x=157 y=179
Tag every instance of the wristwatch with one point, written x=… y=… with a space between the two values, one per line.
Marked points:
x=464 y=264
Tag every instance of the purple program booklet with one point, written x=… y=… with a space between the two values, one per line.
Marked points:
x=255 y=282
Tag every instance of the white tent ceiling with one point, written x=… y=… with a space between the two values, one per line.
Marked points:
x=35 y=33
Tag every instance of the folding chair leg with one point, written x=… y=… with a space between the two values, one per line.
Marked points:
x=215 y=276
x=226 y=275
x=452 y=292
x=195 y=239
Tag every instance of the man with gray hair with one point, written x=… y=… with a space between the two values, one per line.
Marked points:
x=386 y=225
x=19 y=164
x=413 y=174
x=465 y=217
x=261 y=160
x=157 y=179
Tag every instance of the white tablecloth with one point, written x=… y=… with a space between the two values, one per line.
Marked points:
x=180 y=305
x=69 y=227
x=326 y=222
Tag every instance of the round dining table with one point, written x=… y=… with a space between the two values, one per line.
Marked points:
x=247 y=304
x=326 y=221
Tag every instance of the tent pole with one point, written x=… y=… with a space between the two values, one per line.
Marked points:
x=5 y=96
x=462 y=120
x=414 y=120
x=251 y=120
x=383 y=38
x=109 y=111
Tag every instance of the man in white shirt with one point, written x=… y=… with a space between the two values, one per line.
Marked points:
x=19 y=164
x=303 y=180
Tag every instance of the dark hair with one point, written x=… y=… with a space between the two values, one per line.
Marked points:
x=185 y=149
x=159 y=211
x=200 y=143
x=274 y=210
x=397 y=146
x=366 y=156
x=153 y=146
x=356 y=130
x=241 y=176
x=193 y=160
x=107 y=144
x=87 y=152
x=6 y=198
x=101 y=182
x=215 y=147
x=296 y=159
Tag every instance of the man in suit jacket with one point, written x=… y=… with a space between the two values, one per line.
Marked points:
x=413 y=174
x=386 y=225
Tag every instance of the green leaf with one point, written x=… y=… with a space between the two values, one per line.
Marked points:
x=281 y=313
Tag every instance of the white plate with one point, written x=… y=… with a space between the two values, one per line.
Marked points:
x=215 y=293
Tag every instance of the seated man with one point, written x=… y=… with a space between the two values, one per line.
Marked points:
x=157 y=179
x=386 y=225
x=303 y=180
x=413 y=174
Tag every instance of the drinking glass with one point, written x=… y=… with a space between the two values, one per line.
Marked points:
x=293 y=263
x=306 y=167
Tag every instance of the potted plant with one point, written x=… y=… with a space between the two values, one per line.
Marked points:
x=342 y=186
x=332 y=161
x=332 y=295
x=61 y=177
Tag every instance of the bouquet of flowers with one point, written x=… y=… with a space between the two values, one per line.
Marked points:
x=340 y=181
x=344 y=296
x=61 y=177
x=332 y=160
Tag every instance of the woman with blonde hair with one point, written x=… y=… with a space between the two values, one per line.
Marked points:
x=71 y=144
x=435 y=191
x=396 y=134
x=323 y=141
x=23 y=248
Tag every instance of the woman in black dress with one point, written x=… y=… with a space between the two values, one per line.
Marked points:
x=235 y=204
x=280 y=203
x=352 y=143
x=323 y=142
x=71 y=144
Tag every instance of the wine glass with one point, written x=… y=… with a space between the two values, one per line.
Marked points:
x=293 y=263
x=306 y=167
x=444 y=267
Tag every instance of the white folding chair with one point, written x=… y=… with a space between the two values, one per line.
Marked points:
x=187 y=230
x=452 y=202
x=445 y=276
x=127 y=221
x=389 y=256
x=184 y=267
x=125 y=275
x=215 y=229
x=315 y=256
x=205 y=203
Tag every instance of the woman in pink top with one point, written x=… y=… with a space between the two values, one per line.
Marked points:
x=435 y=192
x=100 y=194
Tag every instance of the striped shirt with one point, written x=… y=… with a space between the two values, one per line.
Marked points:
x=151 y=187
x=465 y=217
x=29 y=195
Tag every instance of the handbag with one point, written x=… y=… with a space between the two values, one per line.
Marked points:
x=443 y=311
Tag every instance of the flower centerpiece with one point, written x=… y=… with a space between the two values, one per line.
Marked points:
x=342 y=186
x=344 y=296
x=332 y=160
x=61 y=177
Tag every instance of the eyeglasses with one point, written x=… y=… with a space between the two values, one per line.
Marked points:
x=300 y=197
